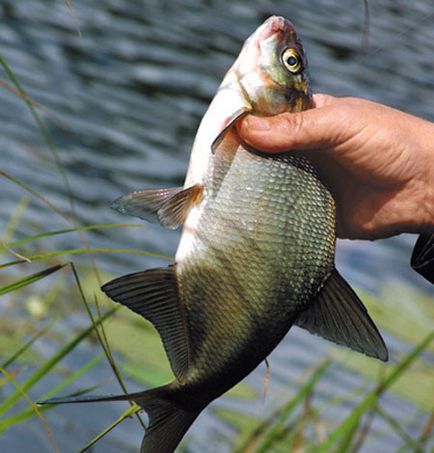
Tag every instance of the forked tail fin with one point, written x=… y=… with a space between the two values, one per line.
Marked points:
x=168 y=420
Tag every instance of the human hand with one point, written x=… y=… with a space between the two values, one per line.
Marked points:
x=377 y=161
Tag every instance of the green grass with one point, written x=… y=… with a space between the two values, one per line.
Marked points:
x=51 y=287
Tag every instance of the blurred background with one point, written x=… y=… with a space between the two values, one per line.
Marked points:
x=121 y=86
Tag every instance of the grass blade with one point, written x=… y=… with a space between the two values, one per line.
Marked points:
x=289 y=407
x=44 y=256
x=14 y=220
x=35 y=409
x=71 y=378
x=29 y=412
x=102 y=338
x=271 y=428
x=4 y=245
x=73 y=16
x=42 y=128
x=427 y=431
x=9 y=402
x=411 y=444
x=25 y=281
x=72 y=230
x=24 y=348
x=33 y=192
x=348 y=427
x=128 y=413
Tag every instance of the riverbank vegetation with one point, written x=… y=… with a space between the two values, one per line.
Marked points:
x=40 y=287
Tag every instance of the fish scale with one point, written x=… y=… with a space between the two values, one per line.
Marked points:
x=282 y=228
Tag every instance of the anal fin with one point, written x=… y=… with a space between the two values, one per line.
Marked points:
x=154 y=295
x=339 y=315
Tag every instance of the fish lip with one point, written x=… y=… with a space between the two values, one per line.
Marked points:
x=276 y=25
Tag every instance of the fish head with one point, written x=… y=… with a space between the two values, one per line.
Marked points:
x=272 y=69
x=270 y=76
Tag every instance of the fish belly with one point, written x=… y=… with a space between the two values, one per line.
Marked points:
x=253 y=254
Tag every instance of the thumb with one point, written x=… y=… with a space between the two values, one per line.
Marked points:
x=310 y=129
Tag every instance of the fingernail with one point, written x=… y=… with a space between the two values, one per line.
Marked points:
x=254 y=123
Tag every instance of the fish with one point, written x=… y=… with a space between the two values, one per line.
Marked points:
x=256 y=254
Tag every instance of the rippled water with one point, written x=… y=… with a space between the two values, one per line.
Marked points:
x=123 y=85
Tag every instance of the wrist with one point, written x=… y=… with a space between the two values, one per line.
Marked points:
x=427 y=188
x=411 y=208
x=429 y=194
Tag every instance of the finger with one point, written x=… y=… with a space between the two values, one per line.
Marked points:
x=320 y=100
x=311 y=129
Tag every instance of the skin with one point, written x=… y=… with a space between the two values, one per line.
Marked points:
x=377 y=161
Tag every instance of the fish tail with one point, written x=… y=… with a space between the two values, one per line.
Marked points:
x=169 y=420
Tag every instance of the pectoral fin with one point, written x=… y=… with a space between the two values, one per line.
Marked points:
x=169 y=207
x=229 y=105
x=227 y=125
x=422 y=259
x=339 y=315
x=154 y=295
x=175 y=210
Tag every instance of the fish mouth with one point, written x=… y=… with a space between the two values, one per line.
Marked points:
x=276 y=26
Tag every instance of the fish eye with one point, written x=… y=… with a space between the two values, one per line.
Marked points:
x=292 y=60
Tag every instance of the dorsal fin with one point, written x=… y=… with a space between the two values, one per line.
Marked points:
x=339 y=315
x=154 y=295
x=169 y=207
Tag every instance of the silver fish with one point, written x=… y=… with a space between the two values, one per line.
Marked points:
x=256 y=254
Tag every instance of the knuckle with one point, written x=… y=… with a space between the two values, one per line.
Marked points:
x=294 y=128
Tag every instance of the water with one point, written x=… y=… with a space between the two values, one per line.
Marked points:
x=123 y=85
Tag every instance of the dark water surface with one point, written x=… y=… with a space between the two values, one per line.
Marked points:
x=122 y=102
